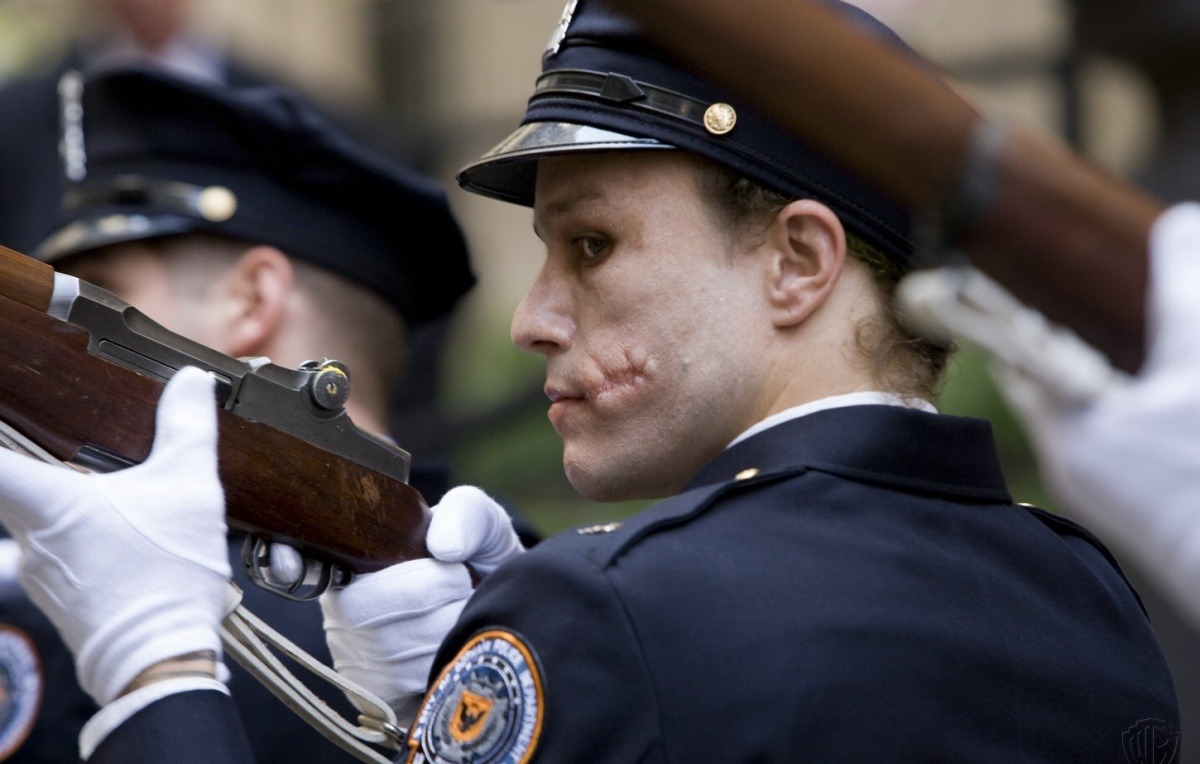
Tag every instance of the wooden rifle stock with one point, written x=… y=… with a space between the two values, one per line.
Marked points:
x=1061 y=234
x=278 y=486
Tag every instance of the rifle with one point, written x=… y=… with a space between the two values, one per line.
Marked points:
x=83 y=371
x=1060 y=233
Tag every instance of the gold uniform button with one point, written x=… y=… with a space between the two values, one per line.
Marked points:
x=592 y=530
x=719 y=118
x=746 y=474
x=216 y=203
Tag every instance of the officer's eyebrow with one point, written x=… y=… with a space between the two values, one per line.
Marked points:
x=564 y=204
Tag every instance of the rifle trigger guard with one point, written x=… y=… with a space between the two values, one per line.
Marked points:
x=314 y=579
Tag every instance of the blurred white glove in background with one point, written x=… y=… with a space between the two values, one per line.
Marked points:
x=1127 y=463
x=131 y=566
x=384 y=628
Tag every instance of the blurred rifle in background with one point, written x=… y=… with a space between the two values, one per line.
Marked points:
x=1061 y=234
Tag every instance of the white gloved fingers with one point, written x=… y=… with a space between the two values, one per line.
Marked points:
x=396 y=593
x=394 y=668
x=186 y=418
x=384 y=628
x=285 y=565
x=181 y=471
x=186 y=423
x=469 y=526
x=26 y=482
x=130 y=566
x=1037 y=407
x=1174 y=309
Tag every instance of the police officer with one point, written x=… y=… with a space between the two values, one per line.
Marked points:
x=242 y=220
x=837 y=572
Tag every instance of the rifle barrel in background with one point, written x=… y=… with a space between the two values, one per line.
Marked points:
x=1063 y=235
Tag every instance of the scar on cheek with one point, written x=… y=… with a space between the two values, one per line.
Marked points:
x=628 y=376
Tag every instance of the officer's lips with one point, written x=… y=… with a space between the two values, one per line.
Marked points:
x=560 y=402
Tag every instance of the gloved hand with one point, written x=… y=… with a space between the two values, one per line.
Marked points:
x=385 y=627
x=469 y=527
x=131 y=567
x=1128 y=462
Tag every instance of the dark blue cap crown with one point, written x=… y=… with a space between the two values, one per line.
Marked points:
x=165 y=155
x=604 y=86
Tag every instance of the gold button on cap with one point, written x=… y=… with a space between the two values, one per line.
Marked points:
x=216 y=203
x=719 y=118
x=746 y=474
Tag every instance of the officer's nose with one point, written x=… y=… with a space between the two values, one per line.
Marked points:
x=542 y=323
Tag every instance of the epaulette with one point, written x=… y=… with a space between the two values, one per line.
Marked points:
x=1064 y=525
x=603 y=543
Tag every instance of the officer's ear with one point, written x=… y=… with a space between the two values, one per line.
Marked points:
x=261 y=285
x=806 y=251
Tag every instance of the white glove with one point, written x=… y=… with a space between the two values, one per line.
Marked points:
x=1127 y=463
x=468 y=526
x=385 y=627
x=131 y=567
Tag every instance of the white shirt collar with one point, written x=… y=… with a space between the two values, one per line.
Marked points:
x=866 y=398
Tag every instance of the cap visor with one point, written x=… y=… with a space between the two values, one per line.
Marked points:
x=92 y=232
x=509 y=171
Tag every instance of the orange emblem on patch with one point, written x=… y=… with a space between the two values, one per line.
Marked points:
x=470 y=717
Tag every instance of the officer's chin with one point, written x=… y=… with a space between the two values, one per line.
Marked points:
x=613 y=485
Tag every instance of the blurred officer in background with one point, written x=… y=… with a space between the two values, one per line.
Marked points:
x=39 y=157
x=122 y=32
x=242 y=220
x=839 y=572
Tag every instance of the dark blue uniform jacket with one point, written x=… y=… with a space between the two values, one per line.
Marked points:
x=855 y=585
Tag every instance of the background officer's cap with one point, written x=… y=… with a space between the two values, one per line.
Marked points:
x=605 y=87
x=161 y=155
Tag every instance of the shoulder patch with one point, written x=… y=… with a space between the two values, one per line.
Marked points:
x=486 y=707
x=20 y=688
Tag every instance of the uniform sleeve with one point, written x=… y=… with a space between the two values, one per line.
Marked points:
x=197 y=727
x=543 y=663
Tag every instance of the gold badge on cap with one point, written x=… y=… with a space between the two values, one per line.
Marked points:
x=560 y=31
x=216 y=203
x=719 y=118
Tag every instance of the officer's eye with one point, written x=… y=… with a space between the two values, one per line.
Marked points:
x=591 y=249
